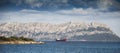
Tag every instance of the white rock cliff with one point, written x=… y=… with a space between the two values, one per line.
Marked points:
x=72 y=31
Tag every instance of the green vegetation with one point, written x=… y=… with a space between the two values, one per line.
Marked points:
x=13 y=38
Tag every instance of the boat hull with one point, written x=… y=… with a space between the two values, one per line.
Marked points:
x=61 y=40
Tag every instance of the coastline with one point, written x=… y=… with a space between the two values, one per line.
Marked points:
x=20 y=42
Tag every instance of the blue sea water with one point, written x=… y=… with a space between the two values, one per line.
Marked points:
x=62 y=47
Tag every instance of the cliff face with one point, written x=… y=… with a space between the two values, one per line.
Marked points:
x=73 y=31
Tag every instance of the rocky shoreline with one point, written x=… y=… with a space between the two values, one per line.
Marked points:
x=20 y=42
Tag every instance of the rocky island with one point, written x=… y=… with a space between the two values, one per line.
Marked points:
x=72 y=31
x=17 y=40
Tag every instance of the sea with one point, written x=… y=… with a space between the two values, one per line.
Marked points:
x=62 y=47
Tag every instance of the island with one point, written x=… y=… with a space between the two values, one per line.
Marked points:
x=71 y=31
x=17 y=40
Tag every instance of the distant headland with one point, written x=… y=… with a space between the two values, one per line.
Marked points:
x=72 y=31
x=17 y=40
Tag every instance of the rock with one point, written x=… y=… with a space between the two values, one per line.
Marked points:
x=48 y=32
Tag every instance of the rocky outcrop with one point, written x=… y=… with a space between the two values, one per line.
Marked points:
x=20 y=42
x=71 y=31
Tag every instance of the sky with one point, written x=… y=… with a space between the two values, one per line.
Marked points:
x=61 y=11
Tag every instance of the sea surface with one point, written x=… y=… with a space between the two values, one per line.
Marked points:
x=62 y=47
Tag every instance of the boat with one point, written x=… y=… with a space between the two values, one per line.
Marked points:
x=41 y=42
x=61 y=39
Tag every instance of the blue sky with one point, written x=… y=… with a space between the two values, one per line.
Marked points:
x=61 y=11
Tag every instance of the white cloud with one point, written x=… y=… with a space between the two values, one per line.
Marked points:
x=78 y=11
x=105 y=4
x=38 y=3
x=33 y=3
x=90 y=12
x=101 y=4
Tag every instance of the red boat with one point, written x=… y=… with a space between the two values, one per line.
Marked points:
x=60 y=39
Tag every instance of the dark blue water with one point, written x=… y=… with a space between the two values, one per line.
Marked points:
x=63 y=47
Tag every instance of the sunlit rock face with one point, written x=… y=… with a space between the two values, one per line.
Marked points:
x=72 y=31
